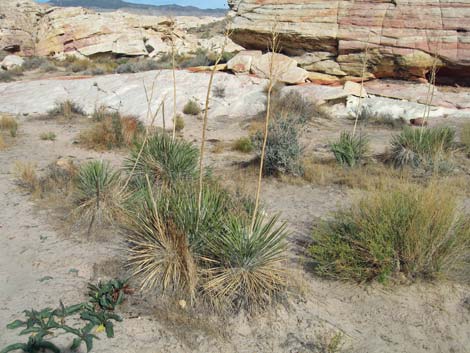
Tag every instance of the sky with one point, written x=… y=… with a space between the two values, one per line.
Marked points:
x=203 y=4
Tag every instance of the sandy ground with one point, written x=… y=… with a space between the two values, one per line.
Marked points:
x=42 y=261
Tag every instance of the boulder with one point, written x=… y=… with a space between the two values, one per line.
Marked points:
x=323 y=79
x=355 y=89
x=402 y=38
x=241 y=63
x=284 y=69
x=11 y=61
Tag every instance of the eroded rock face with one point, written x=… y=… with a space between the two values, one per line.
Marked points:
x=33 y=29
x=401 y=36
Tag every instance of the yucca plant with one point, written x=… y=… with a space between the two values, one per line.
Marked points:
x=158 y=252
x=422 y=147
x=245 y=266
x=99 y=197
x=163 y=159
x=350 y=149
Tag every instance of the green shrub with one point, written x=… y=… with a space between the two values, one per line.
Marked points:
x=411 y=230
x=243 y=144
x=6 y=76
x=192 y=108
x=350 y=149
x=34 y=62
x=163 y=159
x=48 y=136
x=292 y=105
x=200 y=58
x=48 y=67
x=283 y=150
x=422 y=147
x=99 y=197
x=67 y=109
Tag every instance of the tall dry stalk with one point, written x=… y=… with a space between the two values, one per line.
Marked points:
x=273 y=48
x=173 y=70
x=150 y=116
x=227 y=34
x=365 y=60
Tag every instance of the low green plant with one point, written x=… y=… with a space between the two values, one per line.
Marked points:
x=243 y=144
x=44 y=325
x=283 y=150
x=350 y=149
x=219 y=91
x=108 y=295
x=179 y=123
x=48 y=136
x=422 y=147
x=412 y=231
x=163 y=159
x=34 y=62
x=192 y=108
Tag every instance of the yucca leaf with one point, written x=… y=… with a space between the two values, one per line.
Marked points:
x=14 y=347
x=16 y=324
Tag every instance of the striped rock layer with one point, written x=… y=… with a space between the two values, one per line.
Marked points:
x=402 y=38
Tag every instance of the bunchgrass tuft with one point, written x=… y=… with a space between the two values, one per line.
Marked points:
x=424 y=147
x=8 y=123
x=350 y=149
x=163 y=159
x=192 y=108
x=368 y=117
x=67 y=109
x=112 y=131
x=465 y=137
x=243 y=144
x=48 y=136
x=179 y=123
x=410 y=231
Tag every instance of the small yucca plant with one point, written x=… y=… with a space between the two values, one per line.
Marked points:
x=425 y=146
x=99 y=196
x=245 y=268
x=163 y=159
x=350 y=149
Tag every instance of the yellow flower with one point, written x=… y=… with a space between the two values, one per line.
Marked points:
x=100 y=328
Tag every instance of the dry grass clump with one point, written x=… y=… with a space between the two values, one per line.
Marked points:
x=112 y=131
x=243 y=144
x=192 y=108
x=410 y=231
x=350 y=149
x=3 y=144
x=370 y=176
x=10 y=75
x=292 y=105
x=67 y=109
x=58 y=177
x=8 y=123
x=465 y=137
x=429 y=148
x=26 y=176
x=368 y=117
x=48 y=136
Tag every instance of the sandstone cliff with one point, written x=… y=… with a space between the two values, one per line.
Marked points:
x=32 y=29
x=401 y=36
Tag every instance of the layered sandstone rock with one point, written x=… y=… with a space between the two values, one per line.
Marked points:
x=401 y=37
x=33 y=29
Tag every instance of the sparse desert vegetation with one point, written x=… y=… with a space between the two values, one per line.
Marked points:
x=279 y=219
